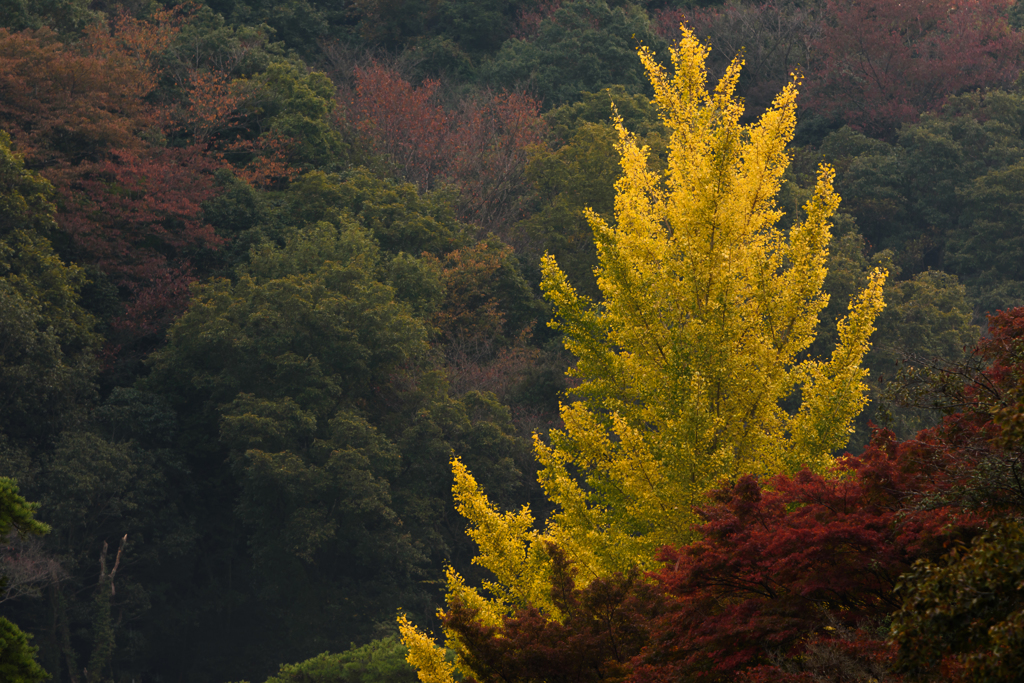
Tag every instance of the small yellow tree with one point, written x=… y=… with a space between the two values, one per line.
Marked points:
x=694 y=366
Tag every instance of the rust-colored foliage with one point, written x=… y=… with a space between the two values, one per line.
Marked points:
x=131 y=206
x=214 y=117
x=471 y=311
x=63 y=105
x=480 y=145
x=83 y=115
x=880 y=64
x=139 y=219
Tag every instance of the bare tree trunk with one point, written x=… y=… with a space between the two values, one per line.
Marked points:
x=103 y=629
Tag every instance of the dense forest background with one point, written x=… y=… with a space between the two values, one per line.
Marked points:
x=264 y=267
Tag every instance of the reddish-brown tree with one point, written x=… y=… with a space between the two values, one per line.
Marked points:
x=480 y=145
x=792 y=559
x=405 y=123
x=882 y=63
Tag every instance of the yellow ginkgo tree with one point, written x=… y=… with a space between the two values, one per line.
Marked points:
x=694 y=366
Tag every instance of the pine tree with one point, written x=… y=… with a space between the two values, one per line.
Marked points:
x=693 y=369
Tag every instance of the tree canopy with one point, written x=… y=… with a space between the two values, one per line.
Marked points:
x=271 y=270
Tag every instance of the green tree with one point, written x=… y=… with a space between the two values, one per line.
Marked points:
x=585 y=46
x=299 y=105
x=379 y=661
x=296 y=358
x=317 y=422
x=692 y=368
x=968 y=609
x=47 y=353
x=17 y=657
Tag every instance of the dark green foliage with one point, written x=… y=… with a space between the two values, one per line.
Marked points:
x=945 y=194
x=293 y=356
x=233 y=210
x=988 y=249
x=379 y=661
x=478 y=26
x=299 y=24
x=47 y=367
x=927 y=319
x=17 y=657
x=299 y=106
x=207 y=41
x=92 y=487
x=584 y=46
x=970 y=606
x=399 y=219
x=62 y=15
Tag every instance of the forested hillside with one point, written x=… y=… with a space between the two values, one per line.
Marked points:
x=579 y=340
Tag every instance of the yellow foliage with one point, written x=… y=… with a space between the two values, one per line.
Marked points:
x=700 y=342
x=427 y=658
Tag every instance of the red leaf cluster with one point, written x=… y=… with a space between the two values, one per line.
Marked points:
x=796 y=557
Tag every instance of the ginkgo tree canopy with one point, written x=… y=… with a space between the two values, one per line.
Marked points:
x=693 y=367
